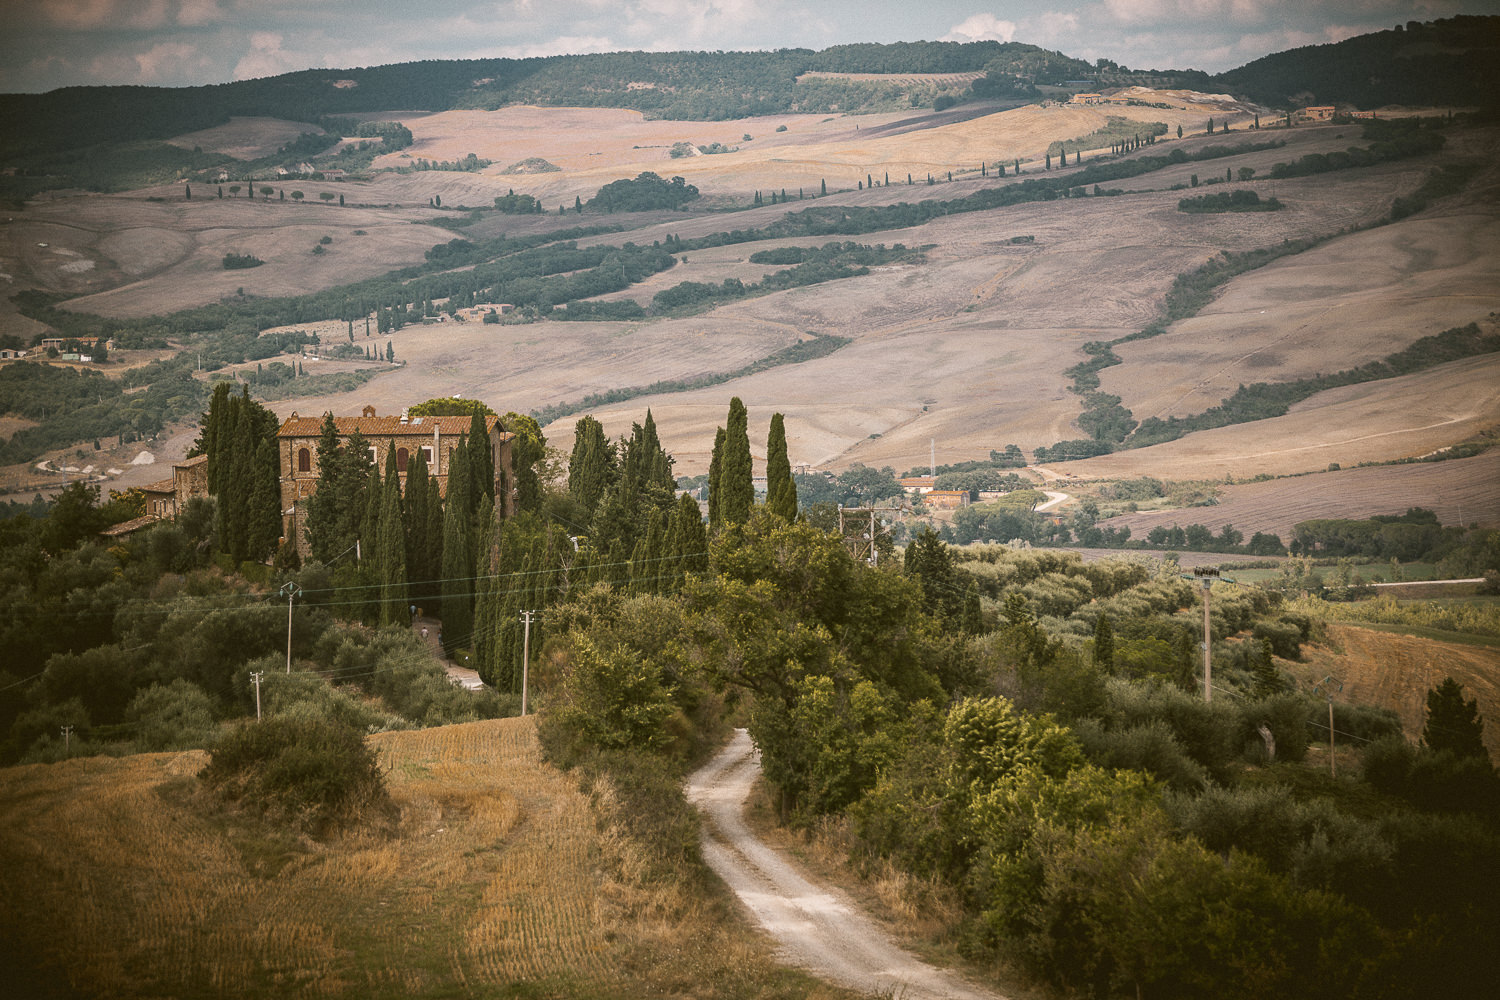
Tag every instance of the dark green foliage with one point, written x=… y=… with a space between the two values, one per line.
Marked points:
x=781 y=488
x=335 y=513
x=458 y=554
x=239 y=439
x=312 y=773
x=591 y=467
x=238 y=262
x=1228 y=201
x=647 y=192
x=1453 y=723
x=735 y=472
x=390 y=547
x=1440 y=63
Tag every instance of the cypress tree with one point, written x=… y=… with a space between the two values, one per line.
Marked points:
x=715 y=495
x=735 y=471
x=432 y=560
x=415 y=516
x=263 y=526
x=1453 y=722
x=390 y=547
x=781 y=489
x=458 y=550
x=481 y=460
x=692 y=537
x=1104 y=644
x=591 y=465
x=213 y=424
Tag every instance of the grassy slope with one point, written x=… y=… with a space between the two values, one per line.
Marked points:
x=502 y=879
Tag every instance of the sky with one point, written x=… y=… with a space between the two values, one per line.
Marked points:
x=45 y=44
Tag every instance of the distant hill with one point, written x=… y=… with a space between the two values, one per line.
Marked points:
x=1450 y=62
x=46 y=138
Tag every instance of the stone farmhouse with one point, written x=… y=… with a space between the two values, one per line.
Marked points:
x=435 y=437
x=166 y=499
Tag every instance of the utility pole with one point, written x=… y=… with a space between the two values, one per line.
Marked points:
x=858 y=541
x=1328 y=686
x=67 y=735
x=526 y=620
x=291 y=590
x=255 y=677
x=1208 y=575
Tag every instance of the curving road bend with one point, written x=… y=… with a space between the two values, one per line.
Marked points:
x=815 y=928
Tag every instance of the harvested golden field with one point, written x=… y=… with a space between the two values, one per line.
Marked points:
x=1460 y=491
x=124 y=882
x=965 y=351
x=1396 y=671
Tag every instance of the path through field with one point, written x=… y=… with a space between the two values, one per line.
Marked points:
x=815 y=927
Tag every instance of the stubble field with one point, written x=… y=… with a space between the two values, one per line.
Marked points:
x=964 y=353
x=503 y=877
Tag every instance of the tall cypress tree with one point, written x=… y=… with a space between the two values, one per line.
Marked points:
x=390 y=547
x=415 y=518
x=715 y=473
x=735 y=474
x=209 y=441
x=263 y=525
x=691 y=546
x=433 y=559
x=458 y=551
x=591 y=465
x=781 y=489
x=481 y=460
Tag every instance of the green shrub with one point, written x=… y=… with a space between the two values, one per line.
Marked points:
x=1148 y=747
x=312 y=772
x=175 y=716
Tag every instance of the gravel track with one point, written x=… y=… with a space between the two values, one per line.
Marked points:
x=815 y=927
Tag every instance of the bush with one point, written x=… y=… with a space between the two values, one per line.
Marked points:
x=175 y=716
x=314 y=773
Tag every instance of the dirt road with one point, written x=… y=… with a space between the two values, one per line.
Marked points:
x=815 y=927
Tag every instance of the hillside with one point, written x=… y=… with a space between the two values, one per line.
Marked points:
x=500 y=876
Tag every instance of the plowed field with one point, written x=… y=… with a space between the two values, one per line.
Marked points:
x=1396 y=671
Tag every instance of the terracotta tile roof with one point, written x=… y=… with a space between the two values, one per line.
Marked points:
x=126 y=527
x=382 y=427
x=160 y=486
x=189 y=463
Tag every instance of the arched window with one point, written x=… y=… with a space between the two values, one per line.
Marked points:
x=401 y=456
x=304 y=461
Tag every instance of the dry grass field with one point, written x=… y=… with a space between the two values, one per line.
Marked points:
x=1460 y=491
x=965 y=351
x=1396 y=672
x=502 y=880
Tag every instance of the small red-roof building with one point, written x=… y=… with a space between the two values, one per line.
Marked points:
x=435 y=437
x=946 y=499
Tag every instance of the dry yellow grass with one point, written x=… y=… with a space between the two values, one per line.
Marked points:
x=1396 y=672
x=122 y=882
x=966 y=350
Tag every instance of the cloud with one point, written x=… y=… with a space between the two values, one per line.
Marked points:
x=981 y=28
x=94 y=15
x=267 y=58
x=197 y=13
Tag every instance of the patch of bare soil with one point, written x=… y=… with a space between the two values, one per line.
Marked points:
x=1460 y=491
x=1396 y=672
